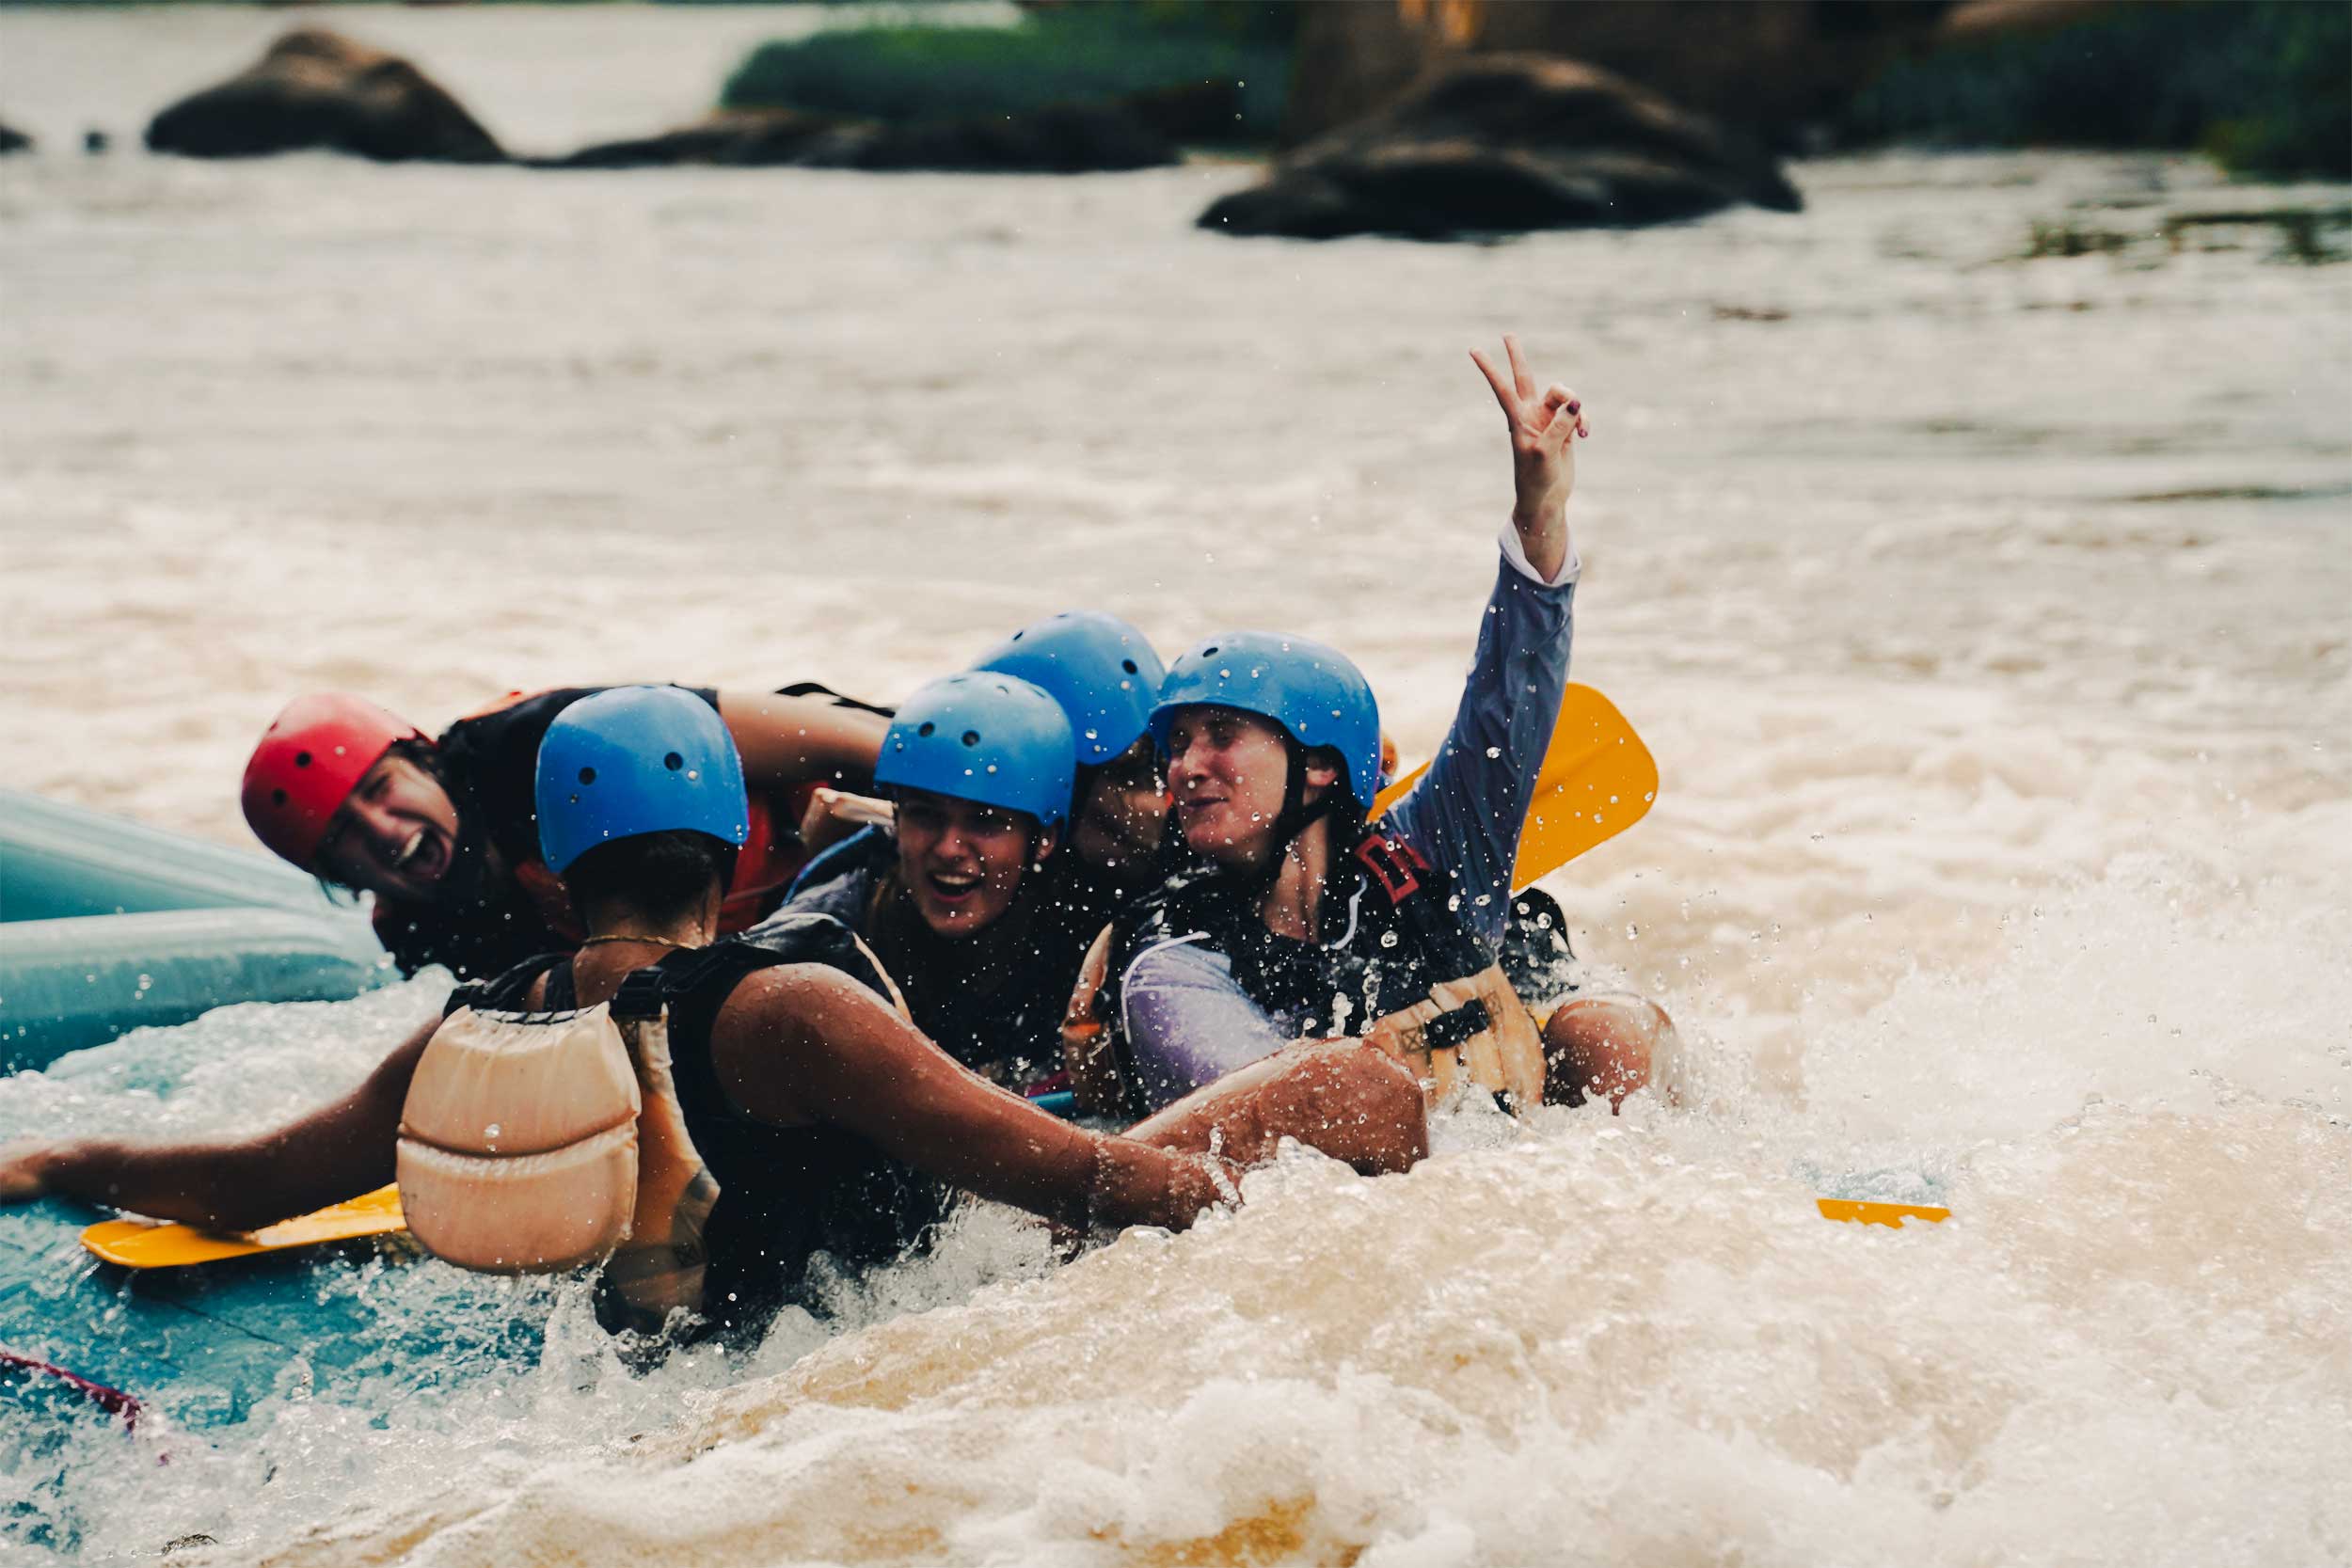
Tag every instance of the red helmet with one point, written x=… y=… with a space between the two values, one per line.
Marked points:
x=313 y=755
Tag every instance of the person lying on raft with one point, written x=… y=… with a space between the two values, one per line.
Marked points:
x=708 y=1116
x=1294 y=919
x=441 y=830
x=968 y=901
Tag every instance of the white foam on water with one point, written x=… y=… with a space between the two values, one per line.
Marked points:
x=1594 y=1340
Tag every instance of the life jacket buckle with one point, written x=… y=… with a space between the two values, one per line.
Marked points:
x=642 y=993
x=1395 y=864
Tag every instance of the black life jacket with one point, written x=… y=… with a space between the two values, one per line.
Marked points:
x=994 y=1006
x=1399 y=966
x=786 y=1194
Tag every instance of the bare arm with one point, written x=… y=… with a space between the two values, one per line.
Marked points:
x=335 y=1153
x=787 y=741
x=803 y=1044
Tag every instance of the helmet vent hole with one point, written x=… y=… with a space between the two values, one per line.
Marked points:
x=970 y=738
x=1208 y=652
x=674 y=762
x=927 y=728
x=587 y=775
x=277 y=796
x=302 y=759
x=1128 y=665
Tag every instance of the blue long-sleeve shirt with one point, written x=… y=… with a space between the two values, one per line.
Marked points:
x=1188 y=1021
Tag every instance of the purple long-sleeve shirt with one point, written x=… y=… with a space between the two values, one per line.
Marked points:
x=1187 y=1020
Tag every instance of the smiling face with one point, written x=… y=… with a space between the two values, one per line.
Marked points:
x=1124 y=815
x=961 y=862
x=1227 y=771
x=395 y=835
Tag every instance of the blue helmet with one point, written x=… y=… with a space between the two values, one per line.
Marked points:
x=636 y=759
x=1309 y=688
x=993 y=739
x=1100 y=669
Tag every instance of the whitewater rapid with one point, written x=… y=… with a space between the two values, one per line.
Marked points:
x=1990 y=618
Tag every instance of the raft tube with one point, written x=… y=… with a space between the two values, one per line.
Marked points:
x=106 y=925
x=57 y=861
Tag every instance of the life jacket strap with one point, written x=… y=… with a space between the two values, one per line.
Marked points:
x=642 y=994
x=1453 y=1028
x=1394 y=865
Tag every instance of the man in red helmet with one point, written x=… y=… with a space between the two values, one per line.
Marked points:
x=444 y=834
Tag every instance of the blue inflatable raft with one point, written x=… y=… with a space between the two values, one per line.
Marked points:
x=106 y=925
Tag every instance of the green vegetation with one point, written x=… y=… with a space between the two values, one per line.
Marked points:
x=1081 y=53
x=2265 y=86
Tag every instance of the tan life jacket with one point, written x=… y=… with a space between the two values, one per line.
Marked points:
x=1087 y=1051
x=535 y=1143
x=1474 y=1027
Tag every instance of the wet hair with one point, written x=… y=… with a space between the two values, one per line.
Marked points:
x=661 y=876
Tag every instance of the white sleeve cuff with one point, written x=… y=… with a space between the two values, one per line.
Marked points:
x=1516 y=553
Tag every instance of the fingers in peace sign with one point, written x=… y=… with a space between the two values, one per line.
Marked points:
x=1544 y=429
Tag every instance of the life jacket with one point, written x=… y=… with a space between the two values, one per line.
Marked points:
x=535 y=1143
x=1408 y=965
x=628 y=1148
x=994 y=1008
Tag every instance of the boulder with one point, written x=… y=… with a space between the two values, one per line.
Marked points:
x=14 y=140
x=1772 y=68
x=318 y=89
x=1066 y=139
x=1504 y=143
x=751 y=137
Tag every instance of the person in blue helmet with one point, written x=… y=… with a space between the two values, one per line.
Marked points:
x=1107 y=678
x=704 y=1116
x=1291 y=919
x=966 y=900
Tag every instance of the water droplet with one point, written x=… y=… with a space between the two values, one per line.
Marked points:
x=1388 y=938
x=492 y=1132
x=1632 y=932
x=1494 y=750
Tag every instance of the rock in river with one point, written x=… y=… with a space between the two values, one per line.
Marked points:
x=1062 y=139
x=1503 y=143
x=317 y=88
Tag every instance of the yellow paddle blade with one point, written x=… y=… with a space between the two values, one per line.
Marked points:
x=1596 y=780
x=156 y=1245
x=1889 y=1214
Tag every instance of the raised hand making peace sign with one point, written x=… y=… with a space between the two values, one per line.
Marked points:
x=1544 y=430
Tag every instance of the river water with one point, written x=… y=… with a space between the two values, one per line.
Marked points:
x=1990 y=617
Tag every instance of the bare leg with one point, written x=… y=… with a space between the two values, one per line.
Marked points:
x=1342 y=1097
x=1603 y=1045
